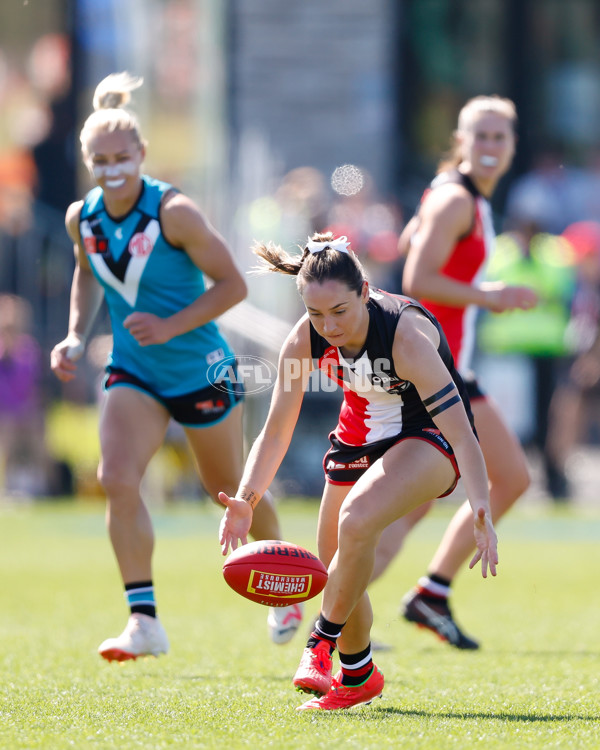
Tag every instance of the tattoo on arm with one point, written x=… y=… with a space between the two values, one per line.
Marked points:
x=431 y=401
x=250 y=497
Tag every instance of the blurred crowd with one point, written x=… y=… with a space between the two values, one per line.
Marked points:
x=549 y=239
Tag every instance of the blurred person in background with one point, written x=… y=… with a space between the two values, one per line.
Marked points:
x=18 y=178
x=550 y=193
x=294 y=209
x=575 y=404
x=545 y=263
x=446 y=245
x=24 y=460
x=145 y=248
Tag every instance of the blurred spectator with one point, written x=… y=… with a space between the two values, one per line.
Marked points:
x=304 y=201
x=575 y=405
x=23 y=457
x=36 y=258
x=544 y=263
x=295 y=209
x=17 y=183
x=550 y=195
x=54 y=154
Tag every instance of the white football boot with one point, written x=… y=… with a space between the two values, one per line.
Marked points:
x=143 y=636
x=283 y=622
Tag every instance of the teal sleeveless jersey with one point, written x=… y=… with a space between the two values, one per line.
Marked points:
x=140 y=271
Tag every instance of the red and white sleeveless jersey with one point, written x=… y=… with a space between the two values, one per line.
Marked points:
x=378 y=404
x=466 y=263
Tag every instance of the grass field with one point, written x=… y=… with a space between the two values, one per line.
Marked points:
x=535 y=683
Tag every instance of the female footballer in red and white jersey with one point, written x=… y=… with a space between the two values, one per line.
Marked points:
x=446 y=244
x=465 y=264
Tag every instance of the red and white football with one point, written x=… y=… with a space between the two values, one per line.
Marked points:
x=275 y=573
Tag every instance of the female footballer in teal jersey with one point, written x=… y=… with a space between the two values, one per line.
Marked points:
x=404 y=432
x=145 y=248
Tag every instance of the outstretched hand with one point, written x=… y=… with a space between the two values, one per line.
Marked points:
x=235 y=524
x=487 y=544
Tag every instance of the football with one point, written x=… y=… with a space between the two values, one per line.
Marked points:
x=275 y=573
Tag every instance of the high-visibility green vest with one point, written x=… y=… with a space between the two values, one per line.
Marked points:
x=548 y=269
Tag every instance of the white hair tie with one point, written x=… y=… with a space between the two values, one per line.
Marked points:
x=339 y=243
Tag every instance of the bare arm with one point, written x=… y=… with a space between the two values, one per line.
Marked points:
x=416 y=359
x=404 y=241
x=86 y=298
x=445 y=216
x=184 y=226
x=271 y=445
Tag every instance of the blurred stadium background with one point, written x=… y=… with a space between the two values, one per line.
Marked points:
x=257 y=109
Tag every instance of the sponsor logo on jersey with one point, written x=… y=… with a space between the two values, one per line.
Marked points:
x=140 y=245
x=210 y=405
x=95 y=244
x=360 y=463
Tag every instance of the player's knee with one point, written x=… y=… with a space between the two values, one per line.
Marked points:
x=356 y=528
x=117 y=480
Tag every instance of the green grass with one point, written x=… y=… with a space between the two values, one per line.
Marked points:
x=535 y=683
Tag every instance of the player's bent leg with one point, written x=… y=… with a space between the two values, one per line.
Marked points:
x=218 y=452
x=427 y=604
x=392 y=539
x=359 y=525
x=132 y=429
x=505 y=459
x=509 y=478
x=265 y=521
x=362 y=521
x=314 y=673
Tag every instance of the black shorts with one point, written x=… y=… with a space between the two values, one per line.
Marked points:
x=345 y=464
x=201 y=408
x=474 y=390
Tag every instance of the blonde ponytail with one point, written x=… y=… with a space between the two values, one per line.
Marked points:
x=114 y=91
x=111 y=97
